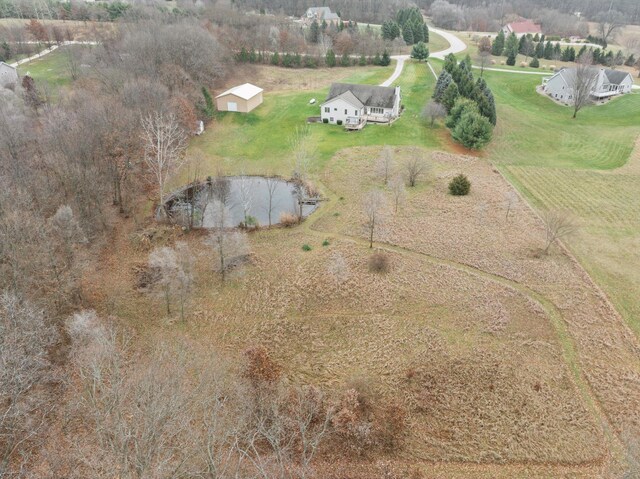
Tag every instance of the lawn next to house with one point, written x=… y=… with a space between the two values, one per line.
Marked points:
x=262 y=137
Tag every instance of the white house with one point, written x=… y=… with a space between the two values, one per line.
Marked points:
x=354 y=105
x=8 y=75
x=607 y=83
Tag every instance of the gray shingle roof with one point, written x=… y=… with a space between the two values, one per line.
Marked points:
x=323 y=13
x=368 y=95
x=615 y=77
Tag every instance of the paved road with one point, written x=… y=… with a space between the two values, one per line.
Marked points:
x=455 y=46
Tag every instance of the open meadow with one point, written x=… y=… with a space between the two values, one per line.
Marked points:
x=500 y=355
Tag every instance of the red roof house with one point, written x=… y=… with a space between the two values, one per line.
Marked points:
x=522 y=27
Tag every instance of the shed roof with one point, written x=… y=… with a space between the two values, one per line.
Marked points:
x=376 y=96
x=245 y=91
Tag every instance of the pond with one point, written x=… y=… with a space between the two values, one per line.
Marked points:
x=234 y=200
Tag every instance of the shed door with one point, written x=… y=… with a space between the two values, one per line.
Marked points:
x=232 y=106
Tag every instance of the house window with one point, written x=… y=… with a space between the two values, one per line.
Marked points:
x=345 y=111
x=335 y=109
x=355 y=112
x=331 y=119
x=327 y=109
x=376 y=111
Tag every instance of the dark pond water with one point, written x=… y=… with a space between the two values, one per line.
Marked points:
x=243 y=194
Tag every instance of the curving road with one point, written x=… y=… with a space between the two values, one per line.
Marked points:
x=455 y=46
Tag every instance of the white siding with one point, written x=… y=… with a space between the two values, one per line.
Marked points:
x=557 y=88
x=337 y=108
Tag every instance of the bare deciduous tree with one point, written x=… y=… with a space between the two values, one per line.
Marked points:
x=609 y=22
x=434 y=111
x=415 y=167
x=165 y=143
x=583 y=82
x=483 y=59
x=373 y=207
x=164 y=264
x=384 y=165
x=557 y=225
x=246 y=197
x=26 y=335
x=510 y=201
x=272 y=186
x=230 y=247
x=398 y=192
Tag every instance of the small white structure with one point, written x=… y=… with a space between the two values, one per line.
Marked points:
x=354 y=105
x=607 y=83
x=200 y=129
x=8 y=75
x=241 y=98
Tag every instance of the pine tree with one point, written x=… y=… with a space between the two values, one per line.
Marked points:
x=548 y=51
x=387 y=31
x=521 y=44
x=376 y=60
x=407 y=34
x=486 y=101
x=536 y=38
x=450 y=96
x=464 y=80
x=275 y=59
x=395 y=30
x=535 y=63
x=498 y=44
x=444 y=79
x=539 y=52
x=330 y=58
x=420 y=51
x=472 y=130
x=461 y=106
x=418 y=34
x=511 y=45
x=630 y=61
x=557 y=51
x=425 y=32
x=511 y=59
x=450 y=63
x=314 y=32
x=581 y=51
x=385 y=60
x=363 y=60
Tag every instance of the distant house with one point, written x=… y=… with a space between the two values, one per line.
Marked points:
x=355 y=105
x=8 y=75
x=241 y=98
x=607 y=84
x=320 y=14
x=522 y=27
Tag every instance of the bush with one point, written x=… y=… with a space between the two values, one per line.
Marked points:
x=288 y=219
x=535 y=63
x=472 y=130
x=339 y=122
x=511 y=60
x=306 y=247
x=460 y=186
x=325 y=242
x=325 y=120
x=379 y=263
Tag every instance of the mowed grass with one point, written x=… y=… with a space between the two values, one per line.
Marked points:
x=261 y=139
x=51 y=69
x=573 y=165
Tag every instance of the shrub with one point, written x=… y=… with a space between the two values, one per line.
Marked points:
x=472 y=130
x=459 y=186
x=511 y=60
x=535 y=63
x=379 y=263
x=288 y=219
x=325 y=120
x=306 y=247
x=339 y=122
x=325 y=242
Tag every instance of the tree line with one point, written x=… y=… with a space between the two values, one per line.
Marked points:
x=409 y=25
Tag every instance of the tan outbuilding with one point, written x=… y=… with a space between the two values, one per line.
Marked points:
x=241 y=98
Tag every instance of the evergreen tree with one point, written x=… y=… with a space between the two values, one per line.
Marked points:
x=486 y=102
x=464 y=81
x=377 y=60
x=418 y=32
x=472 y=130
x=498 y=44
x=363 y=60
x=521 y=44
x=450 y=96
x=542 y=38
x=609 y=59
x=209 y=109
x=425 y=32
x=324 y=25
x=444 y=79
x=467 y=61
x=535 y=63
x=536 y=38
x=557 y=51
x=420 y=51
x=407 y=34
x=275 y=59
x=385 y=60
x=314 y=32
x=330 y=58
x=387 y=31
x=395 y=29
x=581 y=51
x=548 y=51
x=461 y=106
x=539 y=52
x=511 y=59
x=345 y=61
x=619 y=59
x=450 y=63
x=630 y=61
x=511 y=45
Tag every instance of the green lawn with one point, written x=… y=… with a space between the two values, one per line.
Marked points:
x=261 y=138
x=51 y=69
